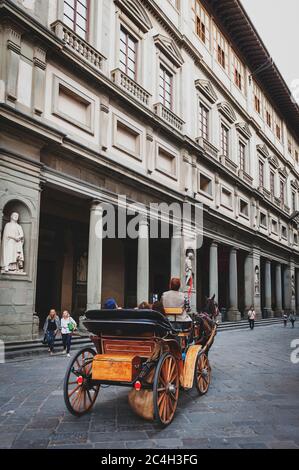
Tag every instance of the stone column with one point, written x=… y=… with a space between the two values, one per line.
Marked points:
x=287 y=289
x=233 y=312
x=268 y=290
x=297 y=290
x=94 y=276
x=176 y=253
x=214 y=270
x=143 y=262
x=278 y=287
x=293 y=286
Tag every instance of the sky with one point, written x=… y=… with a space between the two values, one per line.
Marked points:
x=276 y=22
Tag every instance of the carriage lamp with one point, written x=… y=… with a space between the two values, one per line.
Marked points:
x=80 y=380
x=137 y=386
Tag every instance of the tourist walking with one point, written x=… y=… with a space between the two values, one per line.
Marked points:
x=285 y=319
x=68 y=326
x=51 y=328
x=251 y=317
x=292 y=319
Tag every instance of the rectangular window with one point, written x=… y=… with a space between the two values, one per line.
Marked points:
x=268 y=114
x=221 y=48
x=263 y=219
x=278 y=127
x=203 y=121
x=128 y=53
x=76 y=16
x=282 y=191
x=224 y=140
x=202 y=22
x=244 y=208
x=290 y=144
x=206 y=185
x=272 y=183
x=257 y=98
x=165 y=87
x=261 y=174
x=238 y=72
x=242 y=156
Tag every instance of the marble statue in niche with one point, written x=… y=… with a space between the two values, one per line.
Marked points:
x=12 y=254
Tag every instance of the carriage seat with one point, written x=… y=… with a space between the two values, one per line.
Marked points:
x=178 y=325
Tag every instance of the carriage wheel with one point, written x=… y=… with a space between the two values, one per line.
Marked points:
x=80 y=393
x=166 y=389
x=202 y=374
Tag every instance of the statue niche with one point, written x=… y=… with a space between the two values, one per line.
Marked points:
x=12 y=254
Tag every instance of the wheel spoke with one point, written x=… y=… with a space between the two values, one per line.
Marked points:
x=73 y=391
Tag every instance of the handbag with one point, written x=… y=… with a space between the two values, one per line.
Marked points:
x=45 y=339
x=71 y=327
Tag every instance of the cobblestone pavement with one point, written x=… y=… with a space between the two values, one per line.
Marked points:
x=253 y=402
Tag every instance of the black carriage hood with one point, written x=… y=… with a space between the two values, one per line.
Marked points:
x=126 y=322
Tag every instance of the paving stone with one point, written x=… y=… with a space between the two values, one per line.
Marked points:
x=253 y=402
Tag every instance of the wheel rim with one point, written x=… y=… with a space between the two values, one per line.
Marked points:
x=79 y=392
x=166 y=389
x=203 y=374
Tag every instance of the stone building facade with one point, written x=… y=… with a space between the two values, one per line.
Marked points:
x=160 y=101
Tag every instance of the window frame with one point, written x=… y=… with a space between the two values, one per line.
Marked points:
x=221 y=45
x=202 y=17
x=203 y=106
x=129 y=35
x=75 y=26
x=170 y=73
x=261 y=173
x=223 y=126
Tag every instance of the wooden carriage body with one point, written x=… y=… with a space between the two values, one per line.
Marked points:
x=143 y=350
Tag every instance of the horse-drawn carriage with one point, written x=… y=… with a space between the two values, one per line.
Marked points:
x=143 y=350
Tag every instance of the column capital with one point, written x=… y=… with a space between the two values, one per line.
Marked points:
x=96 y=204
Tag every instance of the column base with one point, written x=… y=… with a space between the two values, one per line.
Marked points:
x=278 y=313
x=268 y=313
x=259 y=315
x=233 y=315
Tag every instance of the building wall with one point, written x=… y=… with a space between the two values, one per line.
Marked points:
x=70 y=119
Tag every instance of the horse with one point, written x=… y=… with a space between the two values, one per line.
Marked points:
x=206 y=319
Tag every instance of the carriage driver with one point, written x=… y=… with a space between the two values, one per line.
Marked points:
x=175 y=299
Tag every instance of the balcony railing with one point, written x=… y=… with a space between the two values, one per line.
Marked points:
x=77 y=45
x=132 y=87
x=208 y=147
x=168 y=116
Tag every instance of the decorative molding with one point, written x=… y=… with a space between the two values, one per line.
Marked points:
x=206 y=88
x=273 y=160
x=135 y=11
x=169 y=48
x=39 y=57
x=295 y=184
x=263 y=150
x=227 y=110
x=243 y=128
x=283 y=172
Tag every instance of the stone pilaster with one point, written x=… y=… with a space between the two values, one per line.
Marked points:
x=13 y=37
x=104 y=120
x=39 y=77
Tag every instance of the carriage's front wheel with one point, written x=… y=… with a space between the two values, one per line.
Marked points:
x=202 y=374
x=166 y=389
x=80 y=393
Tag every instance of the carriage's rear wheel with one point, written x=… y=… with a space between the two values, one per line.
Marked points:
x=166 y=389
x=80 y=393
x=202 y=374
